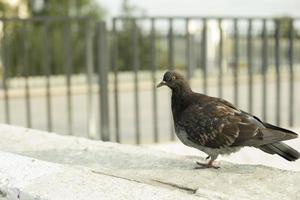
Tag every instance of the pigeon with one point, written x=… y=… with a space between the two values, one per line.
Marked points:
x=216 y=126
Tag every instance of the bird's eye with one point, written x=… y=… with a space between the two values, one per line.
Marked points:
x=173 y=78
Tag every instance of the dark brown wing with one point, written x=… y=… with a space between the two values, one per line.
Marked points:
x=267 y=133
x=211 y=125
x=225 y=103
x=217 y=125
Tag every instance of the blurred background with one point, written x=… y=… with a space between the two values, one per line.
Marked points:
x=89 y=67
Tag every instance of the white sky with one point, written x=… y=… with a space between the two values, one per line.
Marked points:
x=209 y=7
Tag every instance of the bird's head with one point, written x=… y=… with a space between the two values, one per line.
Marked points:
x=174 y=81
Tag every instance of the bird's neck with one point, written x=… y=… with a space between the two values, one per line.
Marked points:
x=182 y=90
x=180 y=98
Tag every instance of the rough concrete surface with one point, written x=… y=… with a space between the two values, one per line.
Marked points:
x=164 y=174
x=26 y=178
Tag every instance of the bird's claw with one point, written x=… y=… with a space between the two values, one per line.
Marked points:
x=205 y=166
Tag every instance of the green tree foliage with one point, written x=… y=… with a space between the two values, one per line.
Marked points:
x=66 y=8
x=285 y=26
x=25 y=40
x=125 y=39
x=2 y=8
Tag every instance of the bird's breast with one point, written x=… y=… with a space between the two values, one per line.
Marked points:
x=183 y=137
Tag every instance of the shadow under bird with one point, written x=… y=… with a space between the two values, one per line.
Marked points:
x=216 y=126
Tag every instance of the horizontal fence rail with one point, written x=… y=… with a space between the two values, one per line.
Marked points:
x=99 y=80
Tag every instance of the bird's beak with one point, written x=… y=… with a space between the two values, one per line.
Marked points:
x=161 y=84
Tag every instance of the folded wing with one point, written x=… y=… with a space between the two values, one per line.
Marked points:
x=216 y=124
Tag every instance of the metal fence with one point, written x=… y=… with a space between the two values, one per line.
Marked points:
x=24 y=71
x=122 y=103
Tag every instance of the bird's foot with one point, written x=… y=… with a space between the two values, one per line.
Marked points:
x=205 y=165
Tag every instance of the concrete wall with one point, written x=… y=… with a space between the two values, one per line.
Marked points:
x=40 y=165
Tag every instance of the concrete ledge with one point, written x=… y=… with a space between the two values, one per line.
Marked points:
x=27 y=178
x=64 y=167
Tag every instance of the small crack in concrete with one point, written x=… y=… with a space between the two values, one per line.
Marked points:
x=157 y=183
x=115 y=176
x=180 y=187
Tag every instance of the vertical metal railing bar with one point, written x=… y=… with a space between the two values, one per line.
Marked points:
x=204 y=55
x=68 y=71
x=47 y=72
x=26 y=73
x=171 y=66
x=236 y=61
x=136 y=66
x=220 y=60
x=89 y=77
x=103 y=80
x=114 y=65
x=153 y=77
x=188 y=50
x=171 y=46
x=291 y=72
x=264 y=57
x=5 y=55
x=250 y=66
x=277 y=68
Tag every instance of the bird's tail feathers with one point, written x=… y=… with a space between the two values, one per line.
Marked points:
x=288 y=133
x=282 y=150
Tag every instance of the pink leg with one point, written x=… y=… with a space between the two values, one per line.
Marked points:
x=206 y=165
